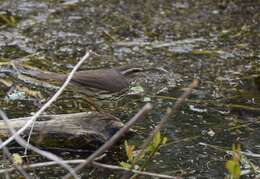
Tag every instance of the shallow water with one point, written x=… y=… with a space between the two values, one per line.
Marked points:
x=215 y=42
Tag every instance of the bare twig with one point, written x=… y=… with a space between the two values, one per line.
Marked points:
x=42 y=164
x=159 y=44
x=46 y=105
x=113 y=139
x=58 y=93
x=23 y=143
x=32 y=81
x=169 y=113
x=8 y=155
x=250 y=154
x=98 y=164
x=7 y=176
x=165 y=118
x=26 y=58
x=114 y=167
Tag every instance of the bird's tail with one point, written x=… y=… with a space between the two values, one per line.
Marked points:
x=42 y=74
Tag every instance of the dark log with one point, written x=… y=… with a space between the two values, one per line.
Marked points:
x=86 y=130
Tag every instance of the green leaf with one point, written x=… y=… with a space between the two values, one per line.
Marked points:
x=233 y=169
x=164 y=140
x=233 y=165
x=141 y=156
x=230 y=165
x=129 y=151
x=126 y=145
x=17 y=159
x=157 y=139
x=237 y=172
x=150 y=148
x=125 y=165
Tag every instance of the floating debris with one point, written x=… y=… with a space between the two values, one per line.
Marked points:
x=195 y=109
x=136 y=90
x=147 y=99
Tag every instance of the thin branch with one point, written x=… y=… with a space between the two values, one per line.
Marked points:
x=8 y=155
x=250 y=154
x=37 y=114
x=46 y=154
x=42 y=164
x=113 y=139
x=65 y=84
x=165 y=118
x=158 y=44
x=169 y=113
x=113 y=167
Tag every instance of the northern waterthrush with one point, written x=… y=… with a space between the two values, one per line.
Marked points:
x=91 y=82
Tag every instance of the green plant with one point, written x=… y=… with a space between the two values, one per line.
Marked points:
x=140 y=159
x=233 y=165
x=7 y=19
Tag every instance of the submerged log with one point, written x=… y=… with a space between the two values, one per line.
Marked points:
x=86 y=130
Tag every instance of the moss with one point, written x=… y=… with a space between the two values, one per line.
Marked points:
x=12 y=52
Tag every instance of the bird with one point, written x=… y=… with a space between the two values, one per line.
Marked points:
x=91 y=82
x=94 y=84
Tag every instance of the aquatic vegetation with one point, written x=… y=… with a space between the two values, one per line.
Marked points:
x=7 y=19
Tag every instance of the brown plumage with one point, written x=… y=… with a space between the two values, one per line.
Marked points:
x=110 y=80
x=104 y=79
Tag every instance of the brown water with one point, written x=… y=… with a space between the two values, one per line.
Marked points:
x=215 y=42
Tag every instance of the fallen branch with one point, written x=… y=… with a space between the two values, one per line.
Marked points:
x=46 y=154
x=66 y=130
